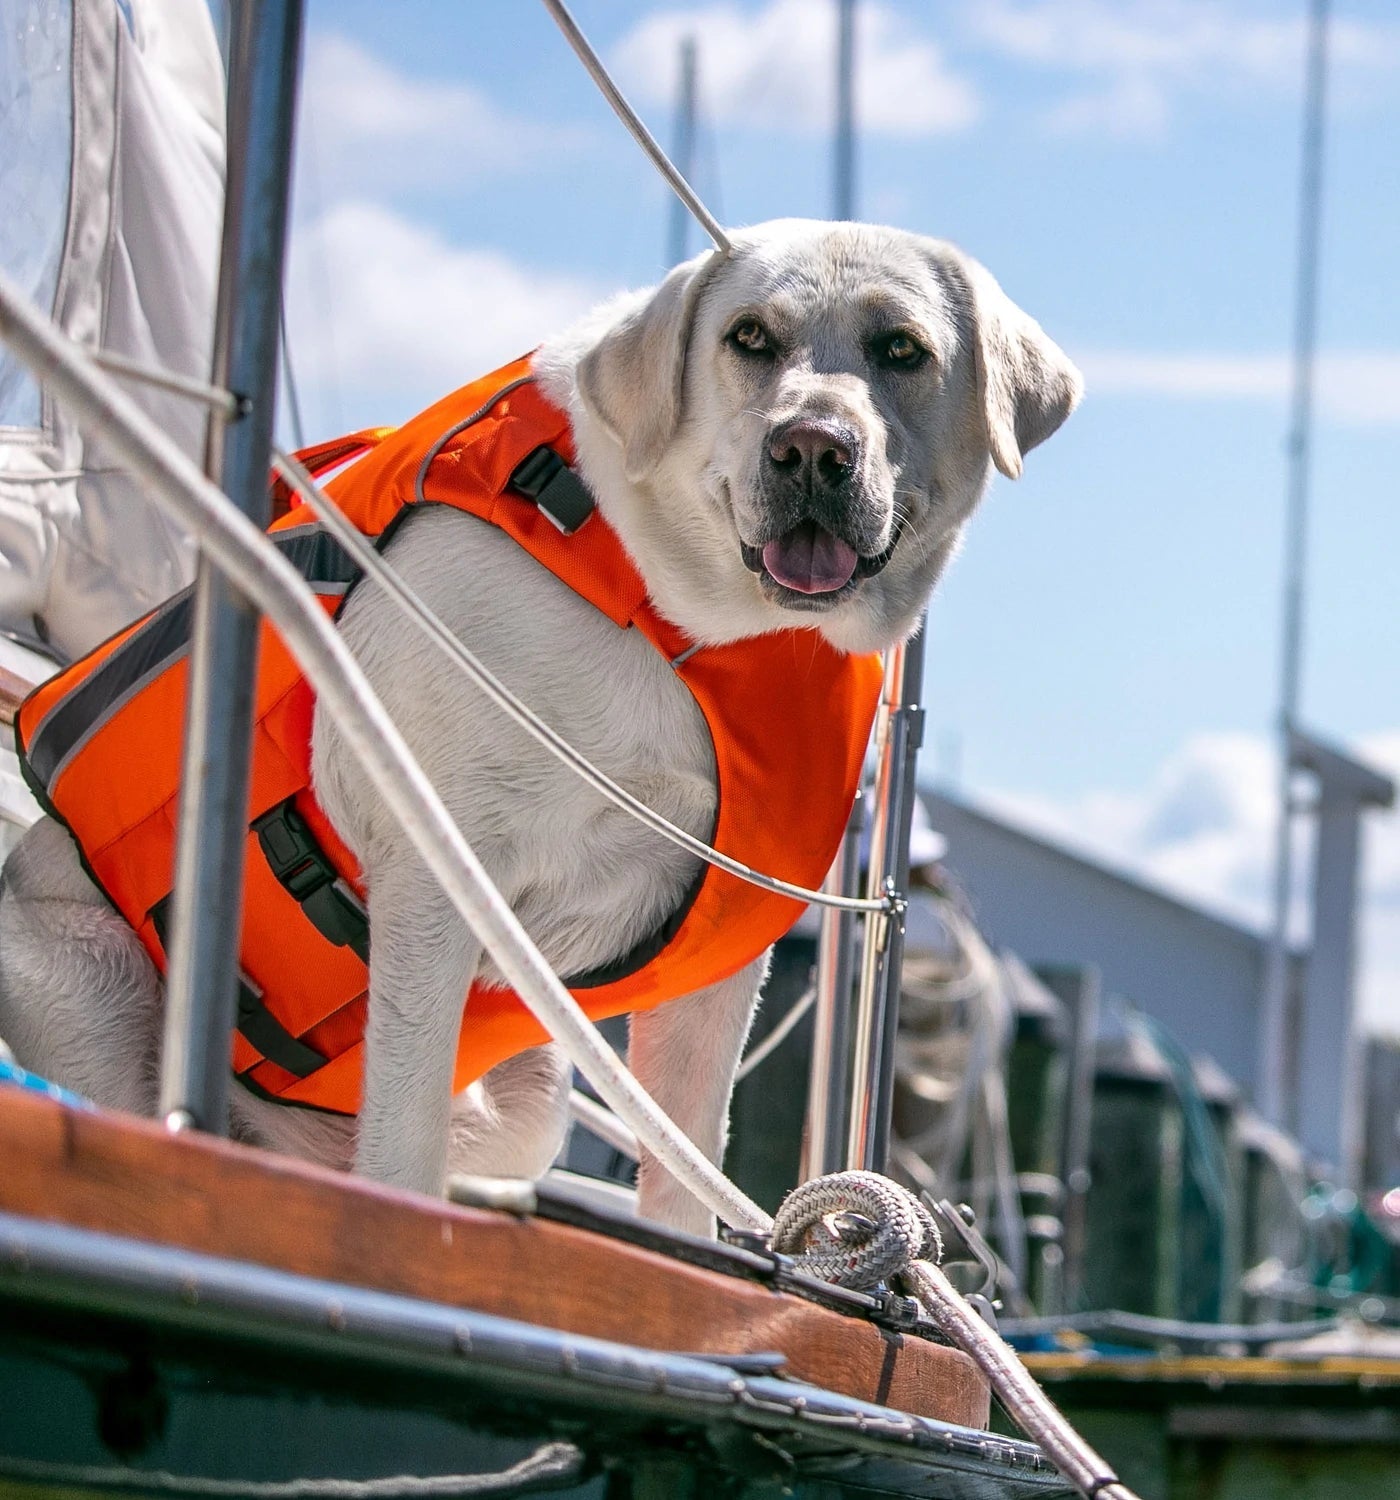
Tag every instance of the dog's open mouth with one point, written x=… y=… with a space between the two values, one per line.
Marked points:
x=811 y=561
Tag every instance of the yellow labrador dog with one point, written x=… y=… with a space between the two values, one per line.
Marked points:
x=795 y=434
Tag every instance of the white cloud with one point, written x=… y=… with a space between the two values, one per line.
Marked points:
x=1200 y=827
x=772 y=68
x=1359 y=388
x=1129 y=107
x=366 y=128
x=1135 y=57
x=1188 y=376
x=1203 y=828
x=384 y=313
x=385 y=316
x=1167 y=37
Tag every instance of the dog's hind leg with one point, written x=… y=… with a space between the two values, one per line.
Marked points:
x=685 y=1053
x=512 y=1123
x=421 y=965
x=79 y=995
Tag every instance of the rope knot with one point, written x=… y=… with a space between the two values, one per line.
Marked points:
x=855 y=1229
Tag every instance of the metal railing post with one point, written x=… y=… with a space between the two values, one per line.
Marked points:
x=829 y=1070
x=207 y=908
x=899 y=734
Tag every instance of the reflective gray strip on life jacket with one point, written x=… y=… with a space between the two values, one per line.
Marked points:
x=157 y=645
x=541 y=476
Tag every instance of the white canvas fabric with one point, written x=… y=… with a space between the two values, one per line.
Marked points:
x=111 y=191
x=19 y=667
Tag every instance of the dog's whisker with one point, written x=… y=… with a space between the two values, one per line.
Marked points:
x=904 y=519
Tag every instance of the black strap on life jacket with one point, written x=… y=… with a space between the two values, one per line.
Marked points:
x=333 y=909
x=312 y=881
x=255 y=1024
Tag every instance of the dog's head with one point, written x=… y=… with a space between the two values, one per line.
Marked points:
x=796 y=434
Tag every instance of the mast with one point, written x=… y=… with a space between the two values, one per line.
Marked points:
x=844 y=156
x=203 y=979
x=1277 y=1091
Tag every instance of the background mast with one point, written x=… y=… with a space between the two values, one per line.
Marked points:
x=844 y=196
x=1277 y=1090
x=683 y=153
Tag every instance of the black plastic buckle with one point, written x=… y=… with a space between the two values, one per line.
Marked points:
x=546 y=479
x=298 y=861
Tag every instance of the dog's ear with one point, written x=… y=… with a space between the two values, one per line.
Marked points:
x=632 y=380
x=1026 y=383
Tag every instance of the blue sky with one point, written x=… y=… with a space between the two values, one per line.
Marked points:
x=1104 y=653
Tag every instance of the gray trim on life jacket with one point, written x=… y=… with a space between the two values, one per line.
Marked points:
x=156 y=645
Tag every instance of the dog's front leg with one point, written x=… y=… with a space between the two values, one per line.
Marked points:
x=423 y=959
x=685 y=1053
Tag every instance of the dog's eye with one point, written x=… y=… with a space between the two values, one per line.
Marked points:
x=751 y=336
x=900 y=351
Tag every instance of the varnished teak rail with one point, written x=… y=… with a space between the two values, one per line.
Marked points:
x=129 y=1177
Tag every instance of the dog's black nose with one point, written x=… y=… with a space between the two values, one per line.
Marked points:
x=812 y=452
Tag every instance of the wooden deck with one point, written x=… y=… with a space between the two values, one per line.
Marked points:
x=130 y=1177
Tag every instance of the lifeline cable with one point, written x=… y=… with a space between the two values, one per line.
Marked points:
x=373 y=564
x=592 y=1116
x=246 y=556
x=215 y=397
x=236 y=545
x=633 y=121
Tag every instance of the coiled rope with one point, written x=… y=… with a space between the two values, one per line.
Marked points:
x=855 y=1229
x=859 y=1230
x=852 y=1229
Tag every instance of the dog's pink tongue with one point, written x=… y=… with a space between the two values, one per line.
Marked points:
x=810 y=560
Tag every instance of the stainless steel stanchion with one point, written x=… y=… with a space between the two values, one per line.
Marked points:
x=202 y=980
x=829 y=1071
x=898 y=735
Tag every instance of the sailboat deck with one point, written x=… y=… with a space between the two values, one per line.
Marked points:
x=185 y=1266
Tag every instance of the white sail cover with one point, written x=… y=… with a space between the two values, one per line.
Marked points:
x=111 y=190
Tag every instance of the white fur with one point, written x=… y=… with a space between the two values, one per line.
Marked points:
x=670 y=426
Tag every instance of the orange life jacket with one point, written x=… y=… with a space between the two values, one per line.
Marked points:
x=789 y=717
